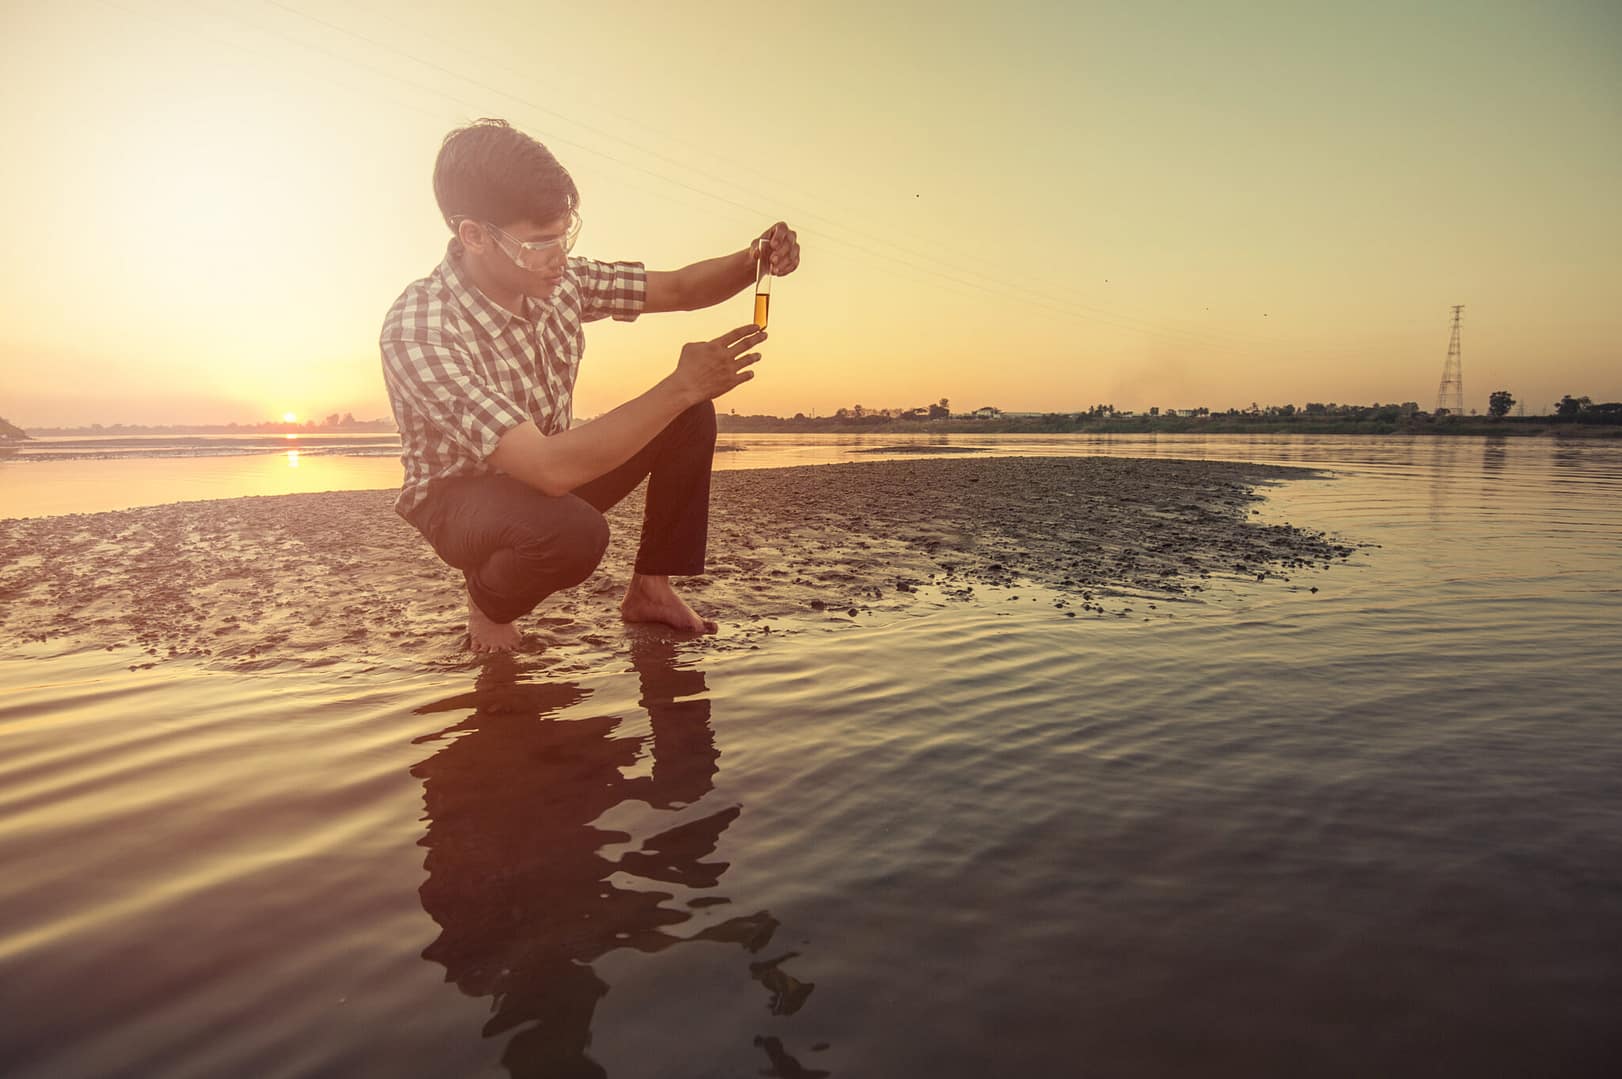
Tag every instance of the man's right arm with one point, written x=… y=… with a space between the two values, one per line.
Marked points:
x=557 y=464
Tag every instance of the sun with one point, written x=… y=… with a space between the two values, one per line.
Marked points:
x=289 y=417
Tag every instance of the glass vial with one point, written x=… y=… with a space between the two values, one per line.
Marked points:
x=763 y=284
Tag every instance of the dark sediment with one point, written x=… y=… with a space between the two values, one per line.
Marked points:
x=320 y=578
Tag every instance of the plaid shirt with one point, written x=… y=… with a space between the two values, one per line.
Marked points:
x=462 y=371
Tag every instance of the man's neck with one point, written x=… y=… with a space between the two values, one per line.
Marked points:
x=509 y=299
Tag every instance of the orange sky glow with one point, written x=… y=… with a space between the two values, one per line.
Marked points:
x=1034 y=206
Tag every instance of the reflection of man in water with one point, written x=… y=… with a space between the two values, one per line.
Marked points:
x=516 y=875
x=480 y=359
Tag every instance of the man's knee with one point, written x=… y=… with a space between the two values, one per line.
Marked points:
x=699 y=419
x=598 y=541
x=575 y=554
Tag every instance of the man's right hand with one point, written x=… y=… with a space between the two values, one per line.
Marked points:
x=557 y=464
x=708 y=369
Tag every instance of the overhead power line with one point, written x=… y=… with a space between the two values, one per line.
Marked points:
x=901 y=255
x=898 y=255
x=918 y=262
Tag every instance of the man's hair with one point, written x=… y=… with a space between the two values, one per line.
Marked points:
x=490 y=171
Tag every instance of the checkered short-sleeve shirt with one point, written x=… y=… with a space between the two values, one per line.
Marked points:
x=462 y=371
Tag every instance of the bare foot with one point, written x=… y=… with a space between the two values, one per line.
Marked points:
x=651 y=599
x=485 y=635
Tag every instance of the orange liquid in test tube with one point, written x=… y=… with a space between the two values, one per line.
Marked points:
x=763 y=287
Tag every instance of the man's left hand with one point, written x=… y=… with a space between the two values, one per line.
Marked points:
x=781 y=249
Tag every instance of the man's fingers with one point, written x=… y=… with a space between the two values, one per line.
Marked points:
x=726 y=339
x=746 y=336
x=774 y=240
x=745 y=361
x=747 y=341
x=785 y=248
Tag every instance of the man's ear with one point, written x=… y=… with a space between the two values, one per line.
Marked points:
x=471 y=234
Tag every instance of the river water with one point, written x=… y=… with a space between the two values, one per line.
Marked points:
x=1374 y=829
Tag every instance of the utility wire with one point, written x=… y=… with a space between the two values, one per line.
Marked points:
x=1157 y=324
x=1070 y=308
x=1078 y=312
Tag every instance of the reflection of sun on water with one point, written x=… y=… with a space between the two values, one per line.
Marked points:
x=292 y=457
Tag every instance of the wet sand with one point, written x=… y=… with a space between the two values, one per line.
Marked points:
x=317 y=579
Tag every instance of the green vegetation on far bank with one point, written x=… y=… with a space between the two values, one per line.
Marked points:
x=1573 y=417
x=1061 y=424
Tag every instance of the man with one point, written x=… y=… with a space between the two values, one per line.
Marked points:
x=480 y=358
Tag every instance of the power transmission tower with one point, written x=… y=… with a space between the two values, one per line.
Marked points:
x=1450 y=395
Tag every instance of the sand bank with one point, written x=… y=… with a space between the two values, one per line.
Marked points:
x=315 y=579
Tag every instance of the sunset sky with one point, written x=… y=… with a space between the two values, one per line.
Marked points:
x=1039 y=206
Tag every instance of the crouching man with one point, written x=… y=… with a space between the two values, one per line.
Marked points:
x=480 y=359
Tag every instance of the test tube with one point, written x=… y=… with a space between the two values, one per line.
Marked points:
x=763 y=285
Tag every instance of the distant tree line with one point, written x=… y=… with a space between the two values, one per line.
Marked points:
x=1568 y=409
x=941 y=410
x=1583 y=410
x=1315 y=417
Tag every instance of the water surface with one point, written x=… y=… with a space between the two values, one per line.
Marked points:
x=59 y=476
x=1369 y=830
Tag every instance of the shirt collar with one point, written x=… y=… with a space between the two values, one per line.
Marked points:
x=491 y=317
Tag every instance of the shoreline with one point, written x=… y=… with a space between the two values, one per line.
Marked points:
x=256 y=582
x=1064 y=424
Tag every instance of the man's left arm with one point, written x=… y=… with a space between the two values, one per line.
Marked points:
x=704 y=284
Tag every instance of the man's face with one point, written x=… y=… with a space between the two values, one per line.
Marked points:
x=533 y=270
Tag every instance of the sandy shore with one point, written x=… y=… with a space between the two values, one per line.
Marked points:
x=316 y=579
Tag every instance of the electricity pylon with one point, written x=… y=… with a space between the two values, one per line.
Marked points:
x=1450 y=395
